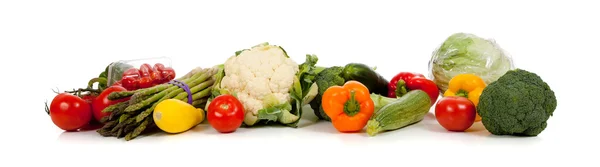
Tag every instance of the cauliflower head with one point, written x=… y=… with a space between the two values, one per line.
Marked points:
x=267 y=82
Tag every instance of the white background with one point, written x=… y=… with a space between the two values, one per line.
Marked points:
x=63 y=44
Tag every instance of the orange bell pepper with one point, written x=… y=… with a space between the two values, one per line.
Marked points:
x=349 y=106
x=466 y=85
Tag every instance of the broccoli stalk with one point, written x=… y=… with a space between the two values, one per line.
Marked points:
x=519 y=103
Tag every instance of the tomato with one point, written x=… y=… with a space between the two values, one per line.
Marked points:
x=145 y=70
x=455 y=113
x=89 y=98
x=69 y=112
x=159 y=67
x=168 y=73
x=132 y=72
x=145 y=82
x=130 y=83
x=225 y=113
x=101 y=102
x=157 y=77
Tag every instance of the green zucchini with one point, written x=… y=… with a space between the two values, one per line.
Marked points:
x=366 y=75
x=406 y=110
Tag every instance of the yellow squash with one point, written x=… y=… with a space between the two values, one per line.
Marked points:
x=176 y=116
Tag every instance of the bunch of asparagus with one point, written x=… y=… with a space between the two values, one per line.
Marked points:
x=133 y=117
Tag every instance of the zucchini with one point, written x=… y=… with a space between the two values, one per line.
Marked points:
x=366 y=75
x=406 y=110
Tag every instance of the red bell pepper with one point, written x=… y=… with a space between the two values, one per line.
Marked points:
x=404 y=82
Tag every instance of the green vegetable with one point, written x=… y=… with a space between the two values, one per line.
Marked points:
x=326 y=78
x=519 y=103
x=337 y=76
x=366 y=75
x=380 y=101
x=404 y=111
x=131 y=118
x=467 y=53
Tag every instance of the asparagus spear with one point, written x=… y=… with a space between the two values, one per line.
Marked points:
x=137 y=131
x=163 y=95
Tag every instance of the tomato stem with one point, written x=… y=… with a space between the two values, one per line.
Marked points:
x=224 y=106
x=78 y=92
x=47 y=108
x=352 y=107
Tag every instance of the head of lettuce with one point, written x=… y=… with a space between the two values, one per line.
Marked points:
x=467 y=53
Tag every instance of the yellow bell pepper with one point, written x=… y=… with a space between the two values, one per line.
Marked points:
x=466 y=85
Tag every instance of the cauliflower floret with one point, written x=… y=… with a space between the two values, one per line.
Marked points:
x=258 y=73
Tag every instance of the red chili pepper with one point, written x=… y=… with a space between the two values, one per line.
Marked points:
x=404 y=82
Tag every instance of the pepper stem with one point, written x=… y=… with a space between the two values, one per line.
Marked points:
x=352 y=106
x=401 y=89
x=462 y=93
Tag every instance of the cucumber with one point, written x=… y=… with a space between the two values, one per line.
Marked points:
x=406 y=110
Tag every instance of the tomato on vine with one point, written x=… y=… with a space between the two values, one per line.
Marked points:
x=69 y=112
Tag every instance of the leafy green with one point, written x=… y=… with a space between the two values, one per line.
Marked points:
x=519 y=103
x=467 y=53
x=328 y=77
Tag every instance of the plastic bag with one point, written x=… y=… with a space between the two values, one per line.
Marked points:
x=467 y=53
x=144 y=77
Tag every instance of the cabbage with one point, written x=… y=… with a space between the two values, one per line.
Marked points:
x=468 y=53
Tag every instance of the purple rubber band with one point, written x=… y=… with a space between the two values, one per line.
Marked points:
x=184 y=87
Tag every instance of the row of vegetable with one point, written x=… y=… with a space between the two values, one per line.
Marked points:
x=471 y=79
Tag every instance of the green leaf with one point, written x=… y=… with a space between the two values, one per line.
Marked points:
x=275 y=113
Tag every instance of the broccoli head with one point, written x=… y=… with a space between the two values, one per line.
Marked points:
x=519 y=103
x=326 y=78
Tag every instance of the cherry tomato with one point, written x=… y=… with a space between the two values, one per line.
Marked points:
x=145 y=70
x=225 y=113
x=168 y=74
x=145 y=82
x=69 y=112
x=132 y=72
x=455 y=113
x=130 y=83
x=159 y=67
x=101 y=102
x=156 y=77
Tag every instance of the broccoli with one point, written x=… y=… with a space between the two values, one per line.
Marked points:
x=519 y=103
x=326 y=78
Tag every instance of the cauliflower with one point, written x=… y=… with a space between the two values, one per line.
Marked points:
x=267 y=82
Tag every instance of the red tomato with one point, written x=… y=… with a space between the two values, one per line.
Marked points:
x=89 y=98
x=225 y=113
x=455 y=113
x=130 y=83
x=132 y=72
x=168 y=74
x=70 y=112
x=159 y=67
x=145 y=70
x=101 y=102
x=157 y=77
x=145 y=82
